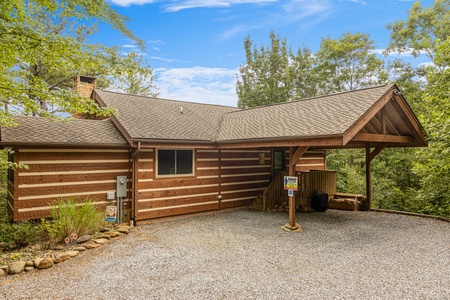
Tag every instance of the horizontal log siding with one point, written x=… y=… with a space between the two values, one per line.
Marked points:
x=167 y=196
x=234 y=174
x=243 y=178
x=62 y=173
x=311 y=160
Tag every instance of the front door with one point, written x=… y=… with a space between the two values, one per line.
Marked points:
x=278 y=161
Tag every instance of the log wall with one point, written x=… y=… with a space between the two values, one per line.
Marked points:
x=238 y=176
x=60 y=173
x=311 y=160
x=222 y=179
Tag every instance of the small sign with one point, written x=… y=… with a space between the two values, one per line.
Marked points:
x=111 y=214
x=290 y=193
x=290 y=183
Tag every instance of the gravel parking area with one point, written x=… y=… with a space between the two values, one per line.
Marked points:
x=246 y=255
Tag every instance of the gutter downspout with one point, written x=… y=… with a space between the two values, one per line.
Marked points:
x=133 y=182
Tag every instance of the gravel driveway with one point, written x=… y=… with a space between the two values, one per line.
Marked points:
x=246 y=255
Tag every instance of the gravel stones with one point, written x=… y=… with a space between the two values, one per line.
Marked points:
x=246 y=255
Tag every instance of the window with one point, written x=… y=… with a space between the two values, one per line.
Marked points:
x=175 y=162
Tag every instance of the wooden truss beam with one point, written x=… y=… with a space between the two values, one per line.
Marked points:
x=382 y=138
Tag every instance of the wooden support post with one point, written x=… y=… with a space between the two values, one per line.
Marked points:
x=294 y=155
x=291 y=199
x=368 y=179
x=369 y=157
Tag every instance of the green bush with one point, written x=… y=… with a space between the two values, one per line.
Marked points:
x=71 y=217
x=17 y=235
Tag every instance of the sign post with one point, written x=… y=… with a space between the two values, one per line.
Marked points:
x=291 y=185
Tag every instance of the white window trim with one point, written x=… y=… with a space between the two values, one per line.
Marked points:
x=174 y=175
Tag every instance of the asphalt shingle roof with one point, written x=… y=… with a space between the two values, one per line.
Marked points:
x=35 y=130
x=152 y=118
x=314 y=117
x=159 y=119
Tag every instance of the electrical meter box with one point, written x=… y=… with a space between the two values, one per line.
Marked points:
x=121 y=186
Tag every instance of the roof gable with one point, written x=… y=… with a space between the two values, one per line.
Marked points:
x=322 y=116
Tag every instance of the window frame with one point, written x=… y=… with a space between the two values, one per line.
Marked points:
x=157 y=175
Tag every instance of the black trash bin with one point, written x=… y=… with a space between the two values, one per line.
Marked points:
x=319 y=201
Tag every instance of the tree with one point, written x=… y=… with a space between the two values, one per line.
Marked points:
x=135 y=76
x=264 y=79
x=348 y=64
x=422 y=28
x=305 y=80
x=434 y=161
x=44 y=47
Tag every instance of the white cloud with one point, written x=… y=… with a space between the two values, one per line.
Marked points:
x=293 y=11
x=178 y=5
x=167 y=60
x=129 y=46
x=186 y=4
x=198 y=84
x=156 y=42
x=404 y=53
x=131 y=2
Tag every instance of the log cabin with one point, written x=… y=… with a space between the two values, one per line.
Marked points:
x=185 y=158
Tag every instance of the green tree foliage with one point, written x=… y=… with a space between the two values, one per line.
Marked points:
x=434 y=161
x=422 y=28
x=264 y=79
x=134 y=76
x=348 y=63
x=44 y=47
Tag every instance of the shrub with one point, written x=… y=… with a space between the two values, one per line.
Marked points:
x=17 y=235
x=71 y=217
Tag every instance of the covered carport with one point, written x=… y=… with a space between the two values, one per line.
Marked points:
x=372 y=119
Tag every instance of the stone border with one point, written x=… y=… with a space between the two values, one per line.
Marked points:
x=49 y=259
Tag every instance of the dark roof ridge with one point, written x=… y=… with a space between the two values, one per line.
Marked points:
x=311 y=98
x=165 y=99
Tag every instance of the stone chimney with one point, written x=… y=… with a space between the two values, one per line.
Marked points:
x=84 y=85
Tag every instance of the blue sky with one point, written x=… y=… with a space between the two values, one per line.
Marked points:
x=195 y=47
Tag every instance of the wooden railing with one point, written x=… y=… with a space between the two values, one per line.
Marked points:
x=309 y=182
x=274 y=192
x=313 y=181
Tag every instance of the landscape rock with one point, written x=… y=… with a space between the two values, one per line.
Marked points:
x=37 y=261
x=72 y=253
x=84 y=238
x=79 y=248
x=16 y=267
x=105 y=236
x=46 y=263
x=106 y=228
x=2 y=273
x=29 y=263
x=60 y=257
x=125 y=229
x=28 y=269
x=91 y=246
x=59 y=247
x=4 y=268
x=114 y=234
x=100 y=241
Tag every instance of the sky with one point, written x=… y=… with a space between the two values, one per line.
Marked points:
x=195 y=47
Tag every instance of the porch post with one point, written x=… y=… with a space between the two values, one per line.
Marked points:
x=368 y=177
x=294 y=154
x=291 y=199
